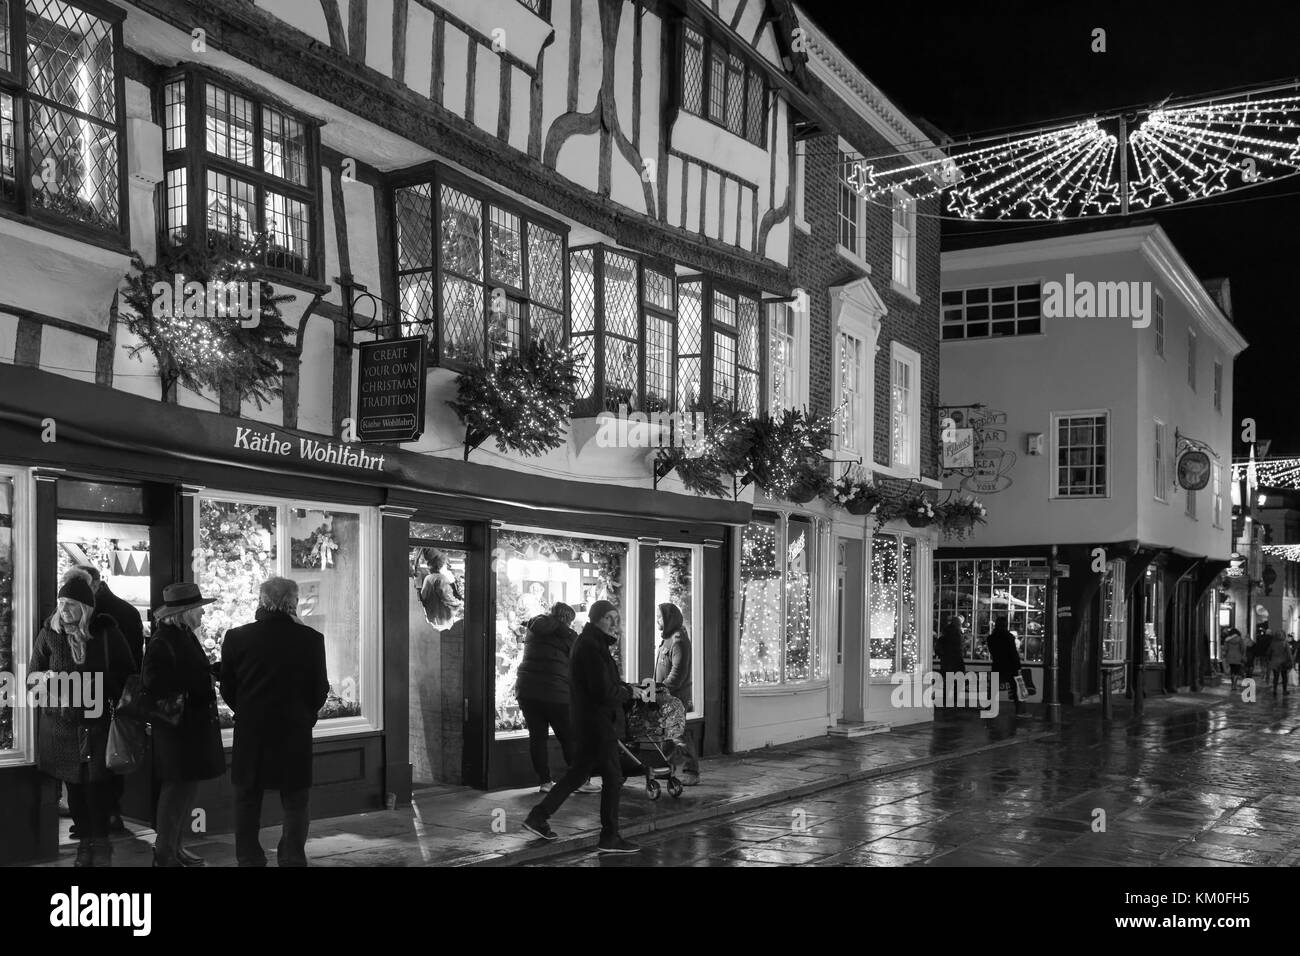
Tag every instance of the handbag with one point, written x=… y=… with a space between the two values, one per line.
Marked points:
x=126 y=744
x=1027 y=678
x=1021 y=690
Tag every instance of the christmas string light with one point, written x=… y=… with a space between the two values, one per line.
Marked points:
x=1287 y=552
x=1271 y=472
x=1175 y=155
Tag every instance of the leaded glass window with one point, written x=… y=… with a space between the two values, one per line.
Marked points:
x=720 y=86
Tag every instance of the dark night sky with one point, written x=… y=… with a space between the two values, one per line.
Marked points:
x=987 y=66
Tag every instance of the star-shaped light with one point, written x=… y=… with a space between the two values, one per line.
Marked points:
x=862 y=178
x=1042 y=206
x=1103 y=199
x=963 y=202
x=1144 y=192
x=1213 y=180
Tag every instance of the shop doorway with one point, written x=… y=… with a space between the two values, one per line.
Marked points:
x=438 y=602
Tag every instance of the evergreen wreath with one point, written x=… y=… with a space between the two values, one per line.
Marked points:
x=523 y=399
x=710 y=467
x=785 y=457
x=200 y=347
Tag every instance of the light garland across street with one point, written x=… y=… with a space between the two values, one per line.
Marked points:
x=1102 y=166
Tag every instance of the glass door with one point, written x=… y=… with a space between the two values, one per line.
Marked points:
x=437 y=604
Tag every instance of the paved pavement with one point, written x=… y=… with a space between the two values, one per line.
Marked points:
x=1200 y=780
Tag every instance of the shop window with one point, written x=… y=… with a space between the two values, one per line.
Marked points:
x=895 y=628
x=61 y=139
x=480 y=274
x=677 y=579
x=236 y=166
x=329 y=551
x=1153 y=618
x=120 y=552
x=1114 y=643
x=779 y=642
x=978 y=592
x=719 y=363
x=8 y=597
x=535 y=571
x=624 y=320
x=721 y=87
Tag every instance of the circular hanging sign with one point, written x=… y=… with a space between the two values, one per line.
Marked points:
x=1194 y=470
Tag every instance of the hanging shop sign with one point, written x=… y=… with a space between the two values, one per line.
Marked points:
x=959 y=448
x=390 y=390
x=1193 y=470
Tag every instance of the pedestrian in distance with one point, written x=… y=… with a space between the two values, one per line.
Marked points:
x=1234 y=653
x=1280 y=662
x=949 y=649
x=273 y=677
x=176 y=665
x=1006 y=661
x=437 y=593
x=72 y=735
x=673 y=670
x=542 y=689
x=596 y=699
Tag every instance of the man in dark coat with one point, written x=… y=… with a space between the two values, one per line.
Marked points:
x=949 y=650
x=596 y=699
x=273 y=677
x=542 y=687
x=1006 y=660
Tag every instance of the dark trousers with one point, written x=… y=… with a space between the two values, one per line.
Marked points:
x=175 y=803
x=91 y=802
x=292 y=849
x=591 y=757
x=537 y=715
x=1279 y=674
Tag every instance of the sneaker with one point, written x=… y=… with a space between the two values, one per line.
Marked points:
x=546 y=787
x=616 y=845
x=539 y=827
x=591 y=786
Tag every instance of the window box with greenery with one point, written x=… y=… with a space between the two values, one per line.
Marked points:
x=477 y=272
x=624 y=331
x=62 y=116
x=719 y=85
x=238 y=164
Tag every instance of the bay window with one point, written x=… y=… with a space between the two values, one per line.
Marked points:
x=893 y=608
x=236 y=166
x=779 y=640
x=476 y=272
x=721 y=341
x=330 y=551
x=624 y=324
x=62 y=113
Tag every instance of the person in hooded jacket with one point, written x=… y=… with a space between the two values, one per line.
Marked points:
x=542 y=687
x=72 y=741
x=673 y=670
x=1005 y=659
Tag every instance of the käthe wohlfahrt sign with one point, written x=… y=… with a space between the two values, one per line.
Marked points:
x=390 y=390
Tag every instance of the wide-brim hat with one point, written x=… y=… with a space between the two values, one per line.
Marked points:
x=179 y=597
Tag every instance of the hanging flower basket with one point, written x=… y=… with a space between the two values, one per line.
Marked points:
x=855 y=492
x=959 y=516
x=862 y=505
x=801 y=493
x=918 y=521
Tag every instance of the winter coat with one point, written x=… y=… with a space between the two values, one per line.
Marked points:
x=438 y=596
x=596 y=695
x=273 y=677
x=67 y=741
x=949 y=649
x=1279 y=655
x=127 y=618
x=1234 y=649
x=544 y=671
x=673 y=666
x=1005 y=657
x=175 y=662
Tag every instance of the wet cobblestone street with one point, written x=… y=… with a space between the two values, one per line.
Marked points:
x=1217 y=786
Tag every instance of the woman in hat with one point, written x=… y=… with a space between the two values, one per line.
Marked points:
x=175 y=663
x=73 y=737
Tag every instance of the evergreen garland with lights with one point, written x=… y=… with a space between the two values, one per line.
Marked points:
x=207 y=352
x=523 y=399
x=710 y=467
x=786 y=454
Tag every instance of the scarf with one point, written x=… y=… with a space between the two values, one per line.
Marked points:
x=77 y=640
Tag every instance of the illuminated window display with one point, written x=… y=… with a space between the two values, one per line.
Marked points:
x=778 y=640
x=533 y=572
x=6 y=603
x=119 y=551
x=240 y=543
x=980 y=591
x=894 y=633
x=1153 y=619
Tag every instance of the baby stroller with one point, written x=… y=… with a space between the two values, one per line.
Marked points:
x=652 y=723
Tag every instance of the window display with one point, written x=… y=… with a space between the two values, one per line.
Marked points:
x=675 y=580
x=977 y=592
x=1113 y=605
x=1153 y=618
x=779 y=643
x=533 y=572
x=241 y=543
x=119 y=551
x=6 y=604
x=895 y=634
